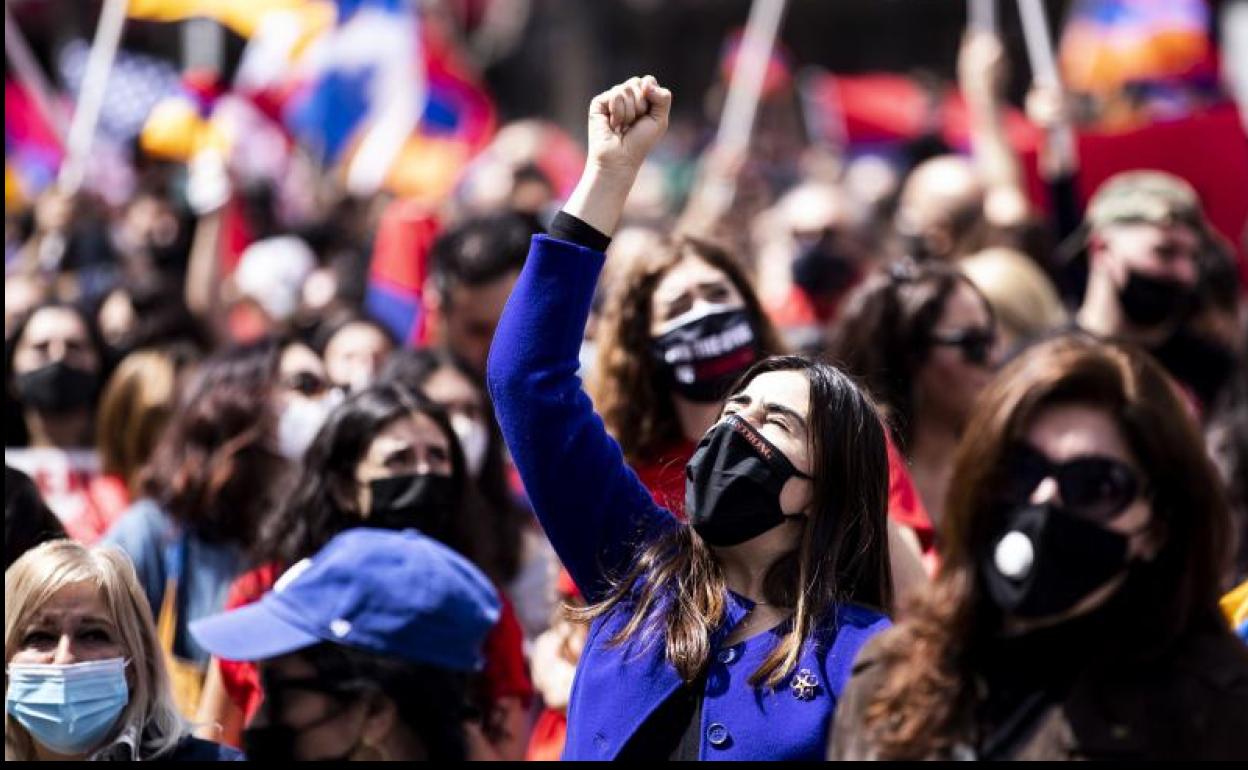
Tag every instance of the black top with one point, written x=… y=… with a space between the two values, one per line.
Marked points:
x=567 y=227
x=672 y=731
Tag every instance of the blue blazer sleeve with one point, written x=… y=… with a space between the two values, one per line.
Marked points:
x=590 y=503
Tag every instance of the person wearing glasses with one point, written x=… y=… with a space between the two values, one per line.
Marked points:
x=923 y=340
x=1076 y=612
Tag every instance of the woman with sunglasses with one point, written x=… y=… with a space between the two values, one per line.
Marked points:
x=922 y=339
x=1075 y=614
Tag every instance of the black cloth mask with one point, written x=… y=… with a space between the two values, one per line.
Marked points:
x=1044 y=560
x=820 y=270
x=424 y=501
x=733 y=483
x=57 y=388
x=276 y=742
x=1148 y=301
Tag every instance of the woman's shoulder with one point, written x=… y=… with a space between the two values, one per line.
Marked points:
x=854 y=620
x=1212 y=662
x=142 y=526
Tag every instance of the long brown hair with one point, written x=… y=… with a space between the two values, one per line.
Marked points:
x=215 y=469
x=677 y=587
x=930 y=656
x=884 y=339
x=635 y=404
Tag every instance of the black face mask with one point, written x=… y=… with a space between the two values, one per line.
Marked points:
x=424 y=501
x=733 y=483
x=915 y=247
x=1148 y=301
x=821 y=271
x=57 y=388
x=703 y=357
x=1044 y=560
x=276 y=743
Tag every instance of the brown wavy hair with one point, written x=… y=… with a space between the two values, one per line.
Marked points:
x=884 y=337
x=215 y=470
x=930 y=656
x=626 y=388
x=676 y=588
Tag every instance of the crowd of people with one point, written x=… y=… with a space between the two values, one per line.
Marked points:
x=863 y=462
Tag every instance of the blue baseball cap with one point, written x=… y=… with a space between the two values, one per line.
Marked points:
x=397 y=594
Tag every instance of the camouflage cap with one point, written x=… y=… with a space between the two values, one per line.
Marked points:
x=1154 y=197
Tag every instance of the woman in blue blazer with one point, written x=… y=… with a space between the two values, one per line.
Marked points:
x=732 y=635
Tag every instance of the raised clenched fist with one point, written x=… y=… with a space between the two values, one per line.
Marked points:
x=625 y=122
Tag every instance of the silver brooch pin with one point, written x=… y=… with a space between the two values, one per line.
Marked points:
x=804 y=685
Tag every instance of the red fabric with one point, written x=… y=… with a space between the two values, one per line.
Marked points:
x=398 y=269
x=236 y=235
x=904 y=504
x=665 y=476
x=565 y=586
x=110 y=496
x=506 y=673
x=241 y=679
x=1208 y=149
x=548 y=736
x=86 y=503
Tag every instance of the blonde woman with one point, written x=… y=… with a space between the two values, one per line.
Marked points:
x=1022 y=297
x=84 y=674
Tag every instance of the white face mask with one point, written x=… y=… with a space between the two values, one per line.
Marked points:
x=474 y=439
x=301 y=420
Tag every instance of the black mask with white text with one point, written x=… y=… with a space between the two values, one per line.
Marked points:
x=703 y=356
x=733 y=483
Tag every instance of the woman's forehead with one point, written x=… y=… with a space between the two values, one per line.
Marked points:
x=412 y=429
x=690 y=271
x=75 y=600
x=789 y=388
x=51 y=322
x=448 y=384
x=1064 y=431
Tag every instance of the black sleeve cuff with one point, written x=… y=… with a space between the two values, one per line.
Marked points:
x=568 y=228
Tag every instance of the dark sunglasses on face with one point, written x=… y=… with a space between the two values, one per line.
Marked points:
x=307 y=383
x=1094 y=487
x=976 y=343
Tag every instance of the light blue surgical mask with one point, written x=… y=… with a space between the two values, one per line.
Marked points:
x=68 y=709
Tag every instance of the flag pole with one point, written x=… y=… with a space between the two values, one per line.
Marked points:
x=744 y=91
x=1045 y=73
x=91 y=96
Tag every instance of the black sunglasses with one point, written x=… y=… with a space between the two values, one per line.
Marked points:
x=1092 y=486
x=307 y=383
x=976 y=343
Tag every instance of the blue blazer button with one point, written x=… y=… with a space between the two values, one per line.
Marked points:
x=717 y=734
